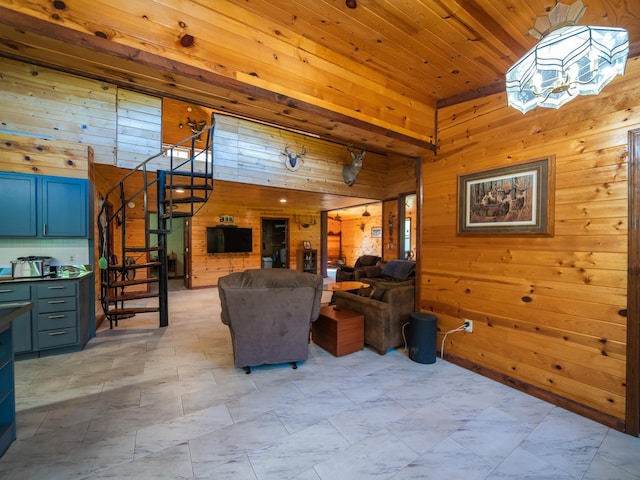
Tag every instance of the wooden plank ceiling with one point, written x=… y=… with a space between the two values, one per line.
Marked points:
x=372 y=76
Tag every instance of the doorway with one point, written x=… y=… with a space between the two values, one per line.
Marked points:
x=275 y=243
x=177 y=248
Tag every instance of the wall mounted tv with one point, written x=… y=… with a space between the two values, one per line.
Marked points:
x=229 y=239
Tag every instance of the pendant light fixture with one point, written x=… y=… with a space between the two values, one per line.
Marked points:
x=569 y=60
x=366 y=212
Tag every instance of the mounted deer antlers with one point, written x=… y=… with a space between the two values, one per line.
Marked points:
x=293 y=160
x=350 y=172
x=304 y=224
x=197 y=126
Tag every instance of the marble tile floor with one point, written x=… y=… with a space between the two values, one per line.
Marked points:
x=142 y=402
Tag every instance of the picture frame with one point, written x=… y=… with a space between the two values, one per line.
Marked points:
x=306 y=244
x=513 y=200
x=376 y=232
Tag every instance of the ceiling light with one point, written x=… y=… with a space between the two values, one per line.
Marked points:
x=569 y=60
x=283 y=200
x=351 y=3
x=337 y=218
x=366 y=212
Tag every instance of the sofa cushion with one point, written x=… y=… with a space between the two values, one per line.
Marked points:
x=399 y=269
x=367 y=261
x=373 y=271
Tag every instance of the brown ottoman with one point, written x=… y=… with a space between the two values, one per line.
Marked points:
x=338 y=331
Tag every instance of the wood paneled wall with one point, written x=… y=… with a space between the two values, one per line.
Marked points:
x=249 y=152
x=357 y=239
x=208 y=268
x=139 y=128
x=334 y=240
x=548 y=312
x=23 y=154
x=390 y=235
x=42 y=102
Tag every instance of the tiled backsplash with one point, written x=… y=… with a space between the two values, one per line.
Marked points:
x=72 y=251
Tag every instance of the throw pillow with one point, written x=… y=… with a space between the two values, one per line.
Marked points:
x=373 y=271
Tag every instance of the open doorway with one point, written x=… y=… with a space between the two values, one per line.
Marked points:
x=275 y=243
x=176 y=250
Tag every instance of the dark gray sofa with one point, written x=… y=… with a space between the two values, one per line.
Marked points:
x=385 y=310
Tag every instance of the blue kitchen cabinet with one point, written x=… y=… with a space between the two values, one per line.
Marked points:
x=64 y=207
x=19 y=205
x=43 y=207
x=22 y=326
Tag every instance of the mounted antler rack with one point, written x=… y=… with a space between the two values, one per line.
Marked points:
x=303 y=224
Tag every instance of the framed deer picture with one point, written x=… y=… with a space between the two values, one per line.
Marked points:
x=518 y=199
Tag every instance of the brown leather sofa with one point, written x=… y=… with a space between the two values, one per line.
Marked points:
x=357 y=271
x=385 y=310
x=269 y=314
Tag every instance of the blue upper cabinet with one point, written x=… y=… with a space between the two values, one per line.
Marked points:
x=43 y=207
x=19 y=206
x=64 y=207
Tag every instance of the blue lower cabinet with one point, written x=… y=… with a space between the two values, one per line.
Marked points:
x=7 y=390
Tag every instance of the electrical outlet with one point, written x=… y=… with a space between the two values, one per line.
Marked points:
x=468 y=326
x=71 y=259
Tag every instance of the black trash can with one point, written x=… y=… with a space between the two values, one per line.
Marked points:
x=423 y=334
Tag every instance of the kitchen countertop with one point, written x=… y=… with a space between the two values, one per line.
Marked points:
x=70 y=272
x=9 y=311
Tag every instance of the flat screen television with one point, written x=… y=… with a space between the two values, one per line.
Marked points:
x=229 y=239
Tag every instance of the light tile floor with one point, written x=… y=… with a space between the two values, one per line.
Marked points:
x=143 y=402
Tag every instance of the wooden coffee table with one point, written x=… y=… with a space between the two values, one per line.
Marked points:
x=338 y=330
x=345 y=286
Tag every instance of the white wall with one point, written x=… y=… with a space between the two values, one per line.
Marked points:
x=73 y=251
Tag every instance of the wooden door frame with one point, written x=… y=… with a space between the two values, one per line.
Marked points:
x=632 y=405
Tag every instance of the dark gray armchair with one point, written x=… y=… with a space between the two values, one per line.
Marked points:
x=269 y=314
x=357 y=271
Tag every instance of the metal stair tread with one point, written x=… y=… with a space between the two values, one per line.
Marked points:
x=134 y=265
x=143 y=249
x=127 y=283
x=188 y=186
x=127 y=311
x=165 y=216
x=184 y=200
x=125 y=297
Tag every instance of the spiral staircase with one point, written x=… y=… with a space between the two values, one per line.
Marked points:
x=133 y=267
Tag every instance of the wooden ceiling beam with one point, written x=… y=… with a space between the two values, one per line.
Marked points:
x=26 y=38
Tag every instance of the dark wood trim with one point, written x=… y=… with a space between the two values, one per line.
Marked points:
x=419 y=200
x=471 y=95
x=555 y=399
x=632 y=410
x=324 y=235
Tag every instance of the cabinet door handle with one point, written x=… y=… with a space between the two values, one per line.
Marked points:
x=51 y=302
x=59 y=287
x=56 y=316
x=44 y=228
x=55 y=334
x=6 y=291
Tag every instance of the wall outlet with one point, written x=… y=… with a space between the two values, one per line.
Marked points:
x=468 y=326
x=71 y=258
